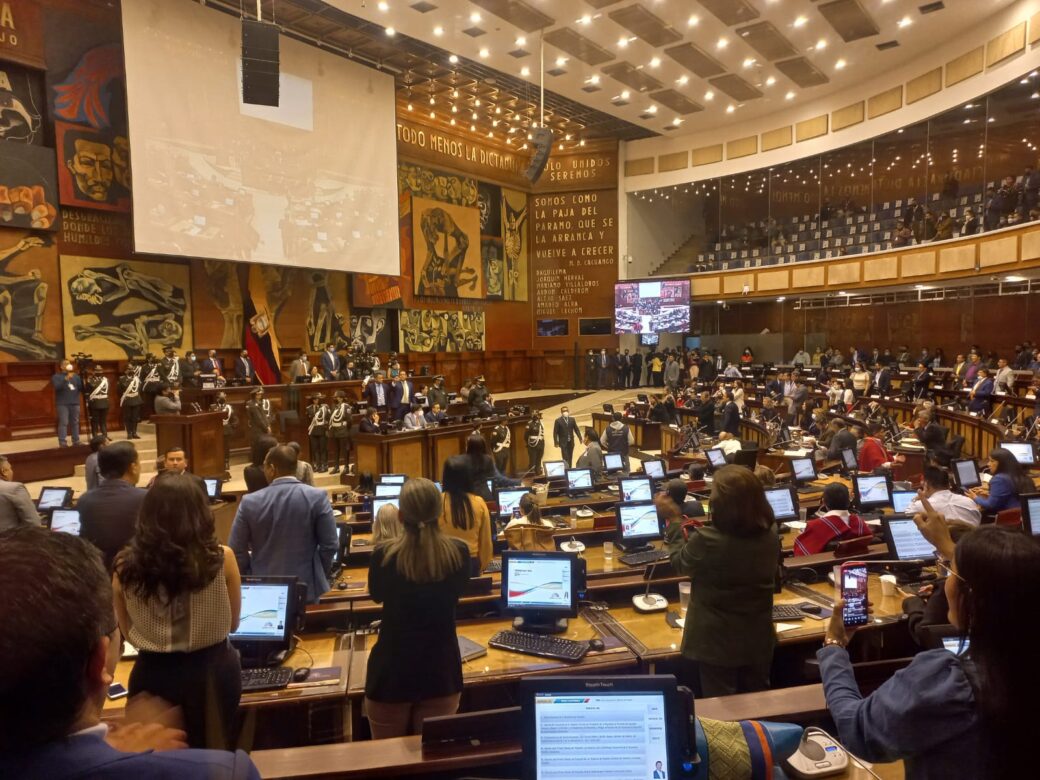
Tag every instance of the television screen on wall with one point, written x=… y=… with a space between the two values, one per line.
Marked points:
x=652 y=307
x=649 y=339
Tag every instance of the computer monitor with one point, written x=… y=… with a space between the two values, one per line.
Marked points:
x=905 y=541
x=579 y=480
x=636 y=489
x=490 y=485
x=716 y=458
x=849 y=461
x=654 y=468
x=388 y=490
x=612 y=461
x=508 y=499
x=1031 y=513
x=213 y=485
x=393 y=479
x=598 y=727
x=1022 y=450
x=901 y=500
x=540 y=589
x=873 y=491
x=265 y=630
x=803 y=470
x=639 y=524
x=784 y=501
x=555 y=469
x=966 y=474
x=53 y=498
x=65 y=520
x=379 y=503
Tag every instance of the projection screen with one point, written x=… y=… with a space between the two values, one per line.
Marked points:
x=311 y=183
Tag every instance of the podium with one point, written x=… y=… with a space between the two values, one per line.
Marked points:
x=201 y=436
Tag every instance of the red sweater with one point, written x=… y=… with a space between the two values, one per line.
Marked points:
x=872 y=453
x=821 y=530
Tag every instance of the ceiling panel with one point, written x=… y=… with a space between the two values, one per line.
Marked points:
x=643 y=24
x=736 y=87
x=802 y=72
x=849 y=19
x=679 y=103
x=695 y=59
x=731 y=11
x=764 y=38
x=630 y=76
x=526 y=17
x=578 y=46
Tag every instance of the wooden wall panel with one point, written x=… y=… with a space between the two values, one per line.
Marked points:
x=885 y=102
x=918 y=263
x=1030 y=245
x=774 y=280
x=640 y=167
x=965 y=66
x=734 y=283
x=843 y=273
x=957 y=258
x=1034 y=28
x=710 y=285
x=924 y=85
x=1005 y=45
x=808 y=276
x=706 y=155
x=742 y=147
x=998 y=251
x=811 y=128
x=880 y=268
x=777 y=139
x=673 y=162
x=847 y=117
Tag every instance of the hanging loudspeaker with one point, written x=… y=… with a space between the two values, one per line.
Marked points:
x=542 y=142
x=259 y=63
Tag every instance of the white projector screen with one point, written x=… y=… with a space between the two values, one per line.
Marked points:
x=311 y=183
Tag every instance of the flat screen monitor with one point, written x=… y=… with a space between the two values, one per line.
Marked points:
x=612 y=461
x=541 y=587
x=393 y=479
x=784 y=501
x=636 y=489
x=604 y=727
x=507 y=500
x=639 y=521
x=379 y=503
x=268 y=613
x=555 y=469
x=901 y=499
x=652 y=307
x=66 y=521
x=716 y=458
x=1031 y=513
x=654 y=468
x=388 y=490
x=649 y=339
x=803 y=470
x=956 y=644
x=213 y=485
x=53 y=498
x=1022 y=450
x=848 y=460
x=905 y=541
x=579 y=479
x=872 y=491
x=966 y=474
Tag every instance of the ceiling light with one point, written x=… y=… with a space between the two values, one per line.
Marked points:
x=625 y=94
x=770 y=81
x=586 y=19
x=498 y=109
x=722 y=43
x=409 y=106
x=676 y=122
x=454 y=93
x=594 y=79
x=384 y=7
x=800 y=21
x=652 y=110
x=525 y=71
x=821 y=44
x=730 y=108
x=453 y=122
x=1011 y=278
x=581 y=142
x=749 y=62
x=655 y=62
x=781 y=299
x=622 y=42
x=473 y=115
x=453 y=59
x=432 y=115
x=561 y=61
x=484 y=53
x=906 y=21
x=709 y=95
x=474 y=17
x=432 y=100
x=839 y=64
x=521 y=41
x=789 y=96
x=454 y=109
x=682 y=80
x=693 y=21
x=391 y=31
x=438 y=31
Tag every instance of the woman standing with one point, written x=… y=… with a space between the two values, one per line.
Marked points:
x=747 y=357
x=1008 y=483
x=657 y=370
x=415 y=670
x=465 y=516
x=732 y=564
x=534 y=437
x=177 y=597
x=483 y=469
x=860 y=379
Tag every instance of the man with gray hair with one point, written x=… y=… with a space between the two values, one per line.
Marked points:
x=16 y=508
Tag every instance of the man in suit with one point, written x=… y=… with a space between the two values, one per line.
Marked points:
x=402 y=394
x=659 y=773
x=1005 y=377
x=68 y=387
x=843 y=439
x=213 y=364
x=971 y=371
x=16 y=507
x=621 y=365
x=605 y=370
x=300 y=367
x=565 y=429
x=705 y=410
x=348 y=371
x=981 y=392
x=636 y=370
x=775 y=387
x=330 y=363
x=960 y=367
x=730 y=416
x=286 y=529
x=244 y=368
x=108 y=513
x=61 y=652
x=377 y=394
x=882 y=379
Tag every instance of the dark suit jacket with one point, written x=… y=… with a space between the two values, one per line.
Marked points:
x=843 y=440
x=244 y=370
x=564 y=431
x=397 y=393
x=108 y=514
x=980 y=403
x=212 y=366
x=706 y=416
x=371 y=396
x=330 y=364
x=89 y=756
x=882 y=381
x=731 y=418
x=774 y=388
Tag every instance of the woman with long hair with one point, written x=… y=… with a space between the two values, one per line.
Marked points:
x=728 y=642
x=945 y=715
x=414 y=669
x=254 y=474
x=1008 y=483
x=483 y=469
x=177 y=594
x=465 y=516
x=386 y=526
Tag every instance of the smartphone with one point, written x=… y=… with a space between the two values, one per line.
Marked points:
x=117 y=691
x=854 y=593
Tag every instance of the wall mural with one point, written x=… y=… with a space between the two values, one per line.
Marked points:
x=436 y=185
x=28 y=187
x=371 y=328
x=446 y=250
x=120 y=309
x=514 y=232
x=441 y=331
x=326 y=322
x=21 y=105
x=28 y=273
x=489 y=203
x=218 y=313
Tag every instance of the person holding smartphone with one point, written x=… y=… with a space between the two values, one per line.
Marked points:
x=953 y=715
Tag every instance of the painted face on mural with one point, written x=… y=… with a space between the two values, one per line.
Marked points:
x=91 y=168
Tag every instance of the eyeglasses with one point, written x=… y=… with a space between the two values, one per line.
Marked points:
x=947 y=571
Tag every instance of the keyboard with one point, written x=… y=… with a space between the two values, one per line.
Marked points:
x=787 y=612
x=540 y=645
x=494 y=566
x=267 y=678
x=806 y=489
x=644 y=558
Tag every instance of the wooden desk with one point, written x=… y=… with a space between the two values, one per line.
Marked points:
x=201 y=436
x=647 y=433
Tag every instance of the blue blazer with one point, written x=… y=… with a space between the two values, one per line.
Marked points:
x=397 y=393
x=330 y=365
x=1002 y=495
x=89 y=756
x=980 y=403
x=286 y=530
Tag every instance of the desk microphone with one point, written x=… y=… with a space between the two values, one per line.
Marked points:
x=650 y=602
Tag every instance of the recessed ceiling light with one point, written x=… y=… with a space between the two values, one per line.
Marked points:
x=722 y=43
x=453 y=122
x=622 y=42
x=693 y=21
x=800 y=21
x=384 y=7
x=453 y=59
x=438 y=31
x=749 y=61
x=655 y=62
x=652 y=110
x=594 y=79
x=906 y=21
x=521 y=41
x=484 y=53
x=410 y=107
x=432 y=115
x=730 y=108
x=525 y=71
x=682 y=80
x=770 y=81
x=454 y=109
x=391 y=31
x=781 y=299
x=625 y=94
x=676 y=122
x=581 y=142
x=474 y=17
x=839 y=64
x=821 y=44
x=789 y=96
x=586 y=19
x=432 y=100
x=709 y=95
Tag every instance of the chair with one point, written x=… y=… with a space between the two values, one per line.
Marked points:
x=531 y=537
x=1011 y=518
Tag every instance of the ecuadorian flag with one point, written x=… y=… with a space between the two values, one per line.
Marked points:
x=259 y=337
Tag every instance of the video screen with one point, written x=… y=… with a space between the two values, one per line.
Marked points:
x=848 y=457
x=649 y=339
x=1033 y=512
x=873 y=491
x=612 y=461
x=654 y=468
x=652 y=307
x=555 y=468
x=65 y=521
x=388 y=490
x=639 y=521
x=901 y=500
x=508 y=500
x=538 y=583
x=379 y=503
x=716 y=457
x=553 y=327
x=51 y=498
x=804 y=469
x=579 y=479
x=212 y=487
x=967 y=473
x=784 y=507
x=636 y=489
x=264 y=610
x=1022 y=450
x=908 y=542
x=393 y=479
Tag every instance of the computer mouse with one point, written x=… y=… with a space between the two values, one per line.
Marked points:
x=812 y=609
x=301 y=674
x=596 y=644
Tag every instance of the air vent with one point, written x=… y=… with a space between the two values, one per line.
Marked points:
x=632 y=77
x=474 y=32
x=849 y=19
x=578 y=46
x=695 y=60
x=735 y=87
x=802 y=72
x=518 y=53
x=931 y=8
x=887 y=45
x=517 y=12
x=679 y=103
x=646 y=25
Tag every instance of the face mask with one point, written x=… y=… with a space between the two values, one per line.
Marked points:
x=68 y=367
x=566 y=414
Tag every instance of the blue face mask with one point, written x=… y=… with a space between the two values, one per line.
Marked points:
x=394 y=372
